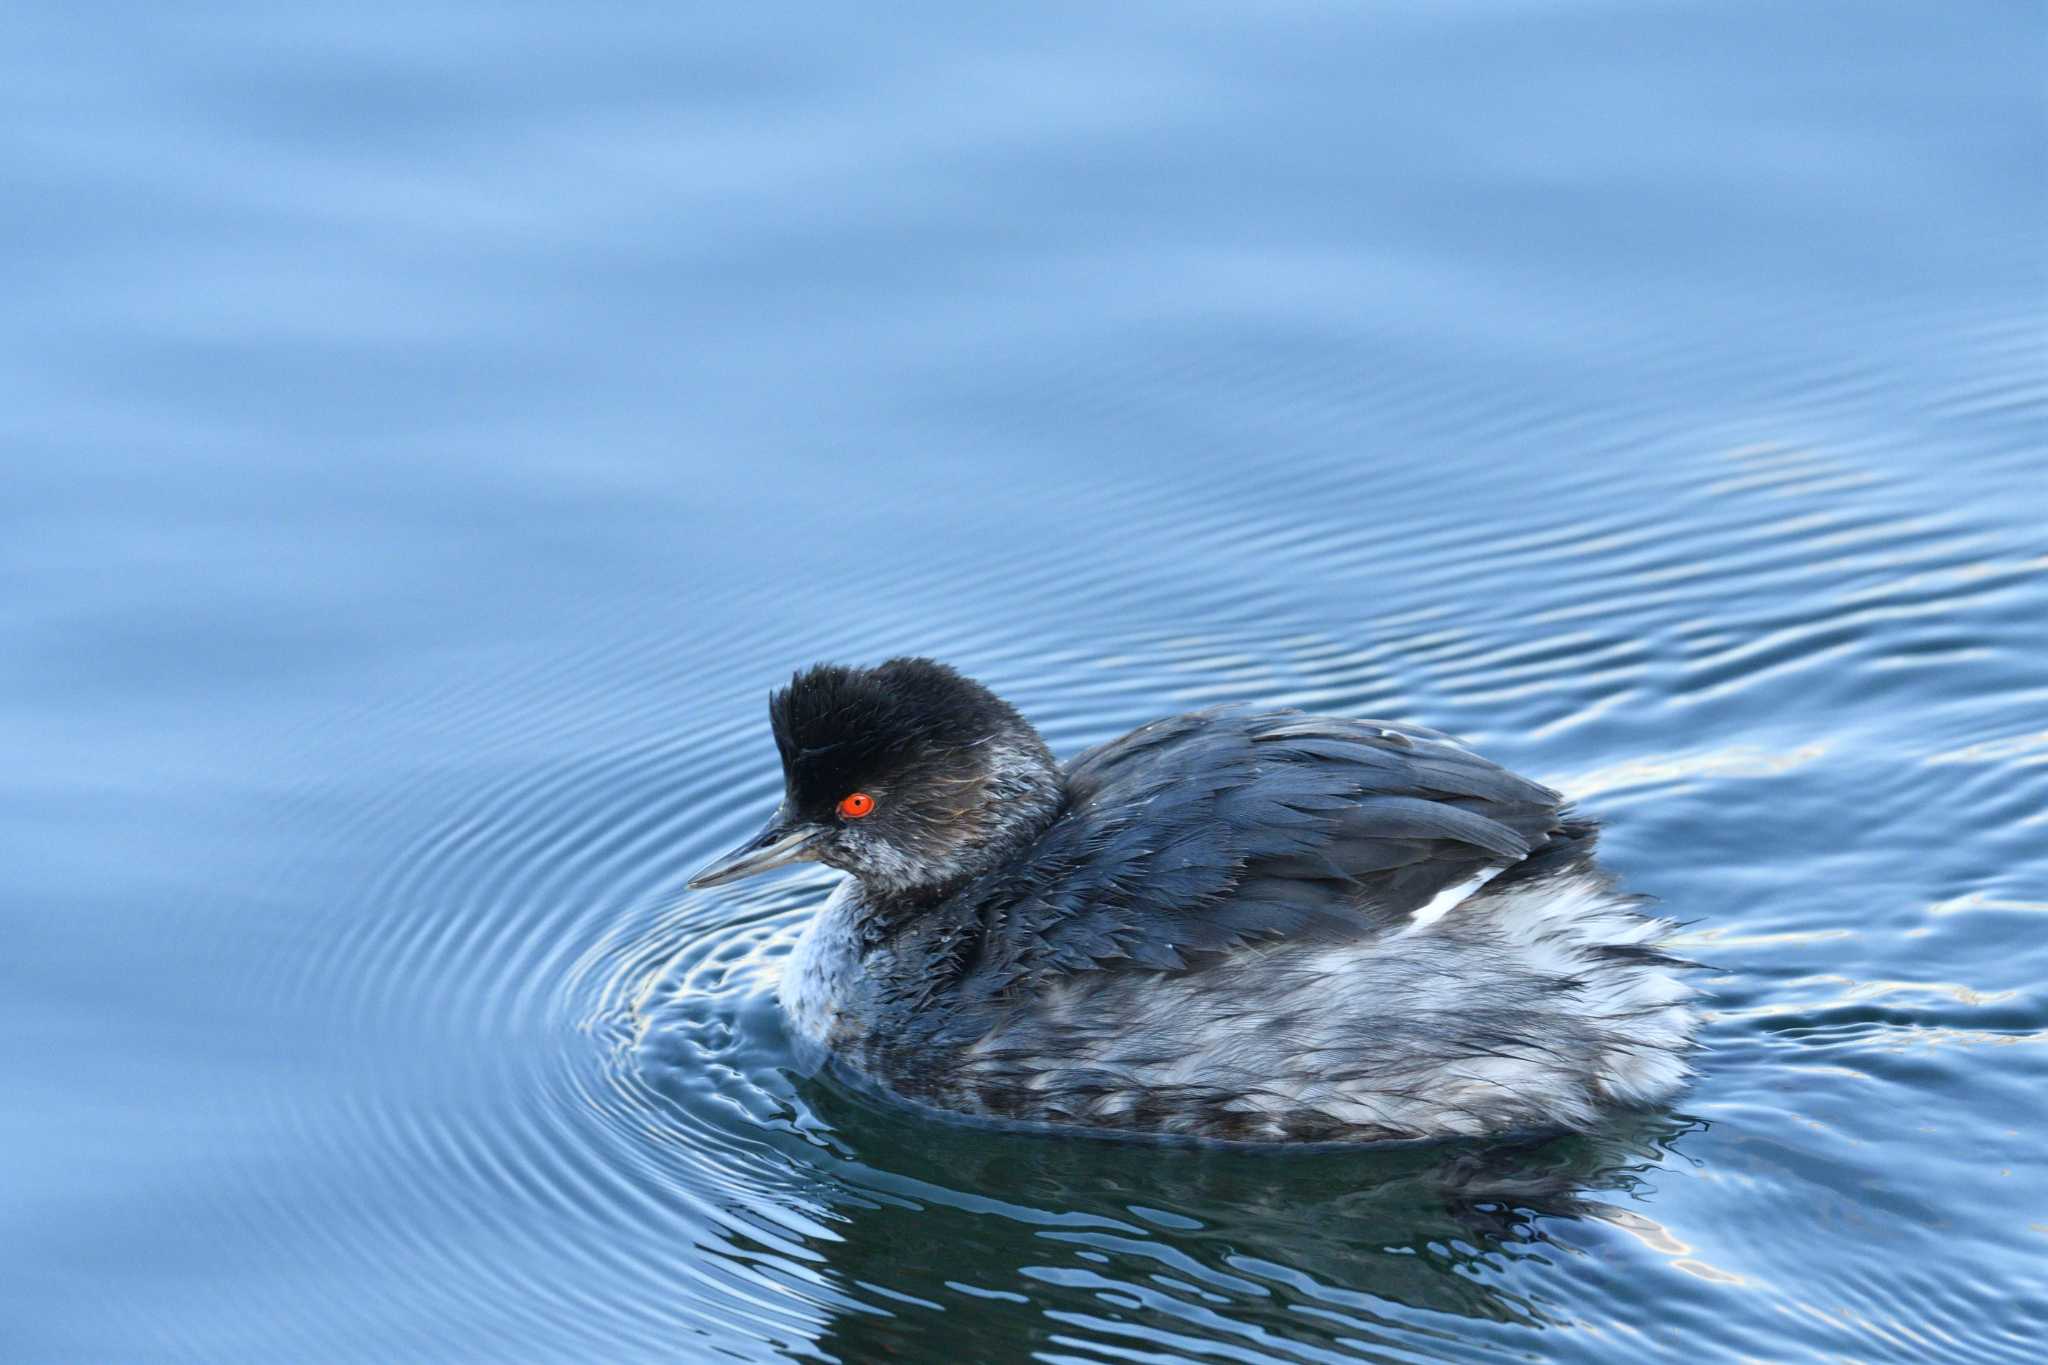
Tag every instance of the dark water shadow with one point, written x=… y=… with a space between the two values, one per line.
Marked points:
x=1353 y=1252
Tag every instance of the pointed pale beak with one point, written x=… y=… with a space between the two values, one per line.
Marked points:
x=783 y=841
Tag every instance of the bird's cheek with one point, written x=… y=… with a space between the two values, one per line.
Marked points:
x=853 y=849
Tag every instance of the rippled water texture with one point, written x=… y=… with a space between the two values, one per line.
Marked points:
x=428 y=433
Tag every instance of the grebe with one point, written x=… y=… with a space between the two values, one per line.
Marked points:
x=1233 y=924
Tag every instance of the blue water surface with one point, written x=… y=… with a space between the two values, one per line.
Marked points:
x=428 y=432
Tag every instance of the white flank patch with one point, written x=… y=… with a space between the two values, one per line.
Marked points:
x=1442 y=903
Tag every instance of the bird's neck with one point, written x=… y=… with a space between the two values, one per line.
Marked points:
x=1022 y=793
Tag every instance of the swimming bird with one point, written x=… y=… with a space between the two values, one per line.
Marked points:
x=1235 y=924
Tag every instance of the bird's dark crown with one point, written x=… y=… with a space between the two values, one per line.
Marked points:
x=836 y=726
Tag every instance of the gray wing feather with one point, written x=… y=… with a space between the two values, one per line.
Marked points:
x=1206 y=832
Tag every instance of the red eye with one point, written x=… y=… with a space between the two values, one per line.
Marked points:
x=856 y=805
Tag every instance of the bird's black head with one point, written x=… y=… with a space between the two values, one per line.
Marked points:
x=908 y=775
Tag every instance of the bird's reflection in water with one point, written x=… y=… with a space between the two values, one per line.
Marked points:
x=993 y=1245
